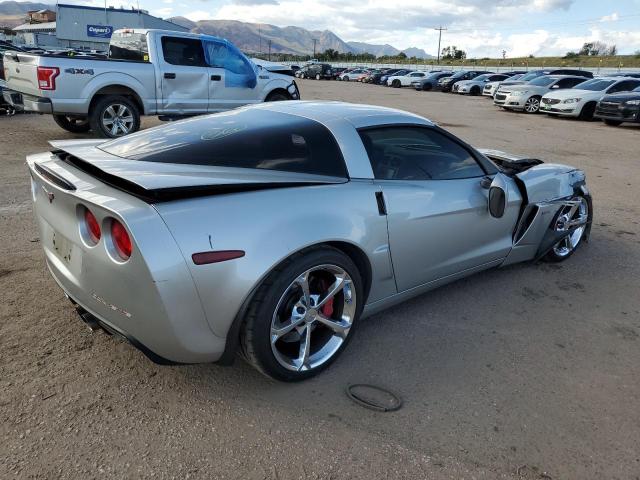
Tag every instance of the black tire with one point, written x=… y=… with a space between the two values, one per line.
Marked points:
x=102 y=105
x=318 y=77
x=255 y=333
x=556 y=256
x=396 y=84
x=72 y=124
x=427 y=87
x=613 y=123
x=475 y=91
x=277 y=96
x=587 y=112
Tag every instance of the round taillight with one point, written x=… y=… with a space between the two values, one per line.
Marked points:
x=121 y=239
x=93 y=227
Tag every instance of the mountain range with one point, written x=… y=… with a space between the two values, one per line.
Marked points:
x=249 y=37
x=255 y=37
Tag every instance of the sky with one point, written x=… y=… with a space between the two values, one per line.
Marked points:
x=483 y=28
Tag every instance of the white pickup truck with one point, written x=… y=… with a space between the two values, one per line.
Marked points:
x=147 y=72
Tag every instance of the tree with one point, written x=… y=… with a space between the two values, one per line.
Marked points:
x=452 y=52
x=402 y=55
x=597 y=48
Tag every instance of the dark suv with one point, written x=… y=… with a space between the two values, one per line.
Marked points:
x=319 y=71
x=620 y=107
x=446 y=84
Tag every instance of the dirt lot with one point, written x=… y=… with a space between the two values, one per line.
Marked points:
x=528 y=372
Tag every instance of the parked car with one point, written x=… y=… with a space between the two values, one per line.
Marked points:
x=430 y=81
x=147 y=234
x=350 y=75
x=618 y=108
x=149 y=72
x=631 y=74
x=336 y=72
x=375 y=77
x=398 y=81
x=390 y=72
x=490 y=88
x=475 y=86
x=527 y=97
x=538 y=73
x=319 y=71
x=581 y=100
x=446 y=84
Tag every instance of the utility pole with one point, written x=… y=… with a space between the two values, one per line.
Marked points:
x=269 y=50
x=315 y=40
x=440 y=29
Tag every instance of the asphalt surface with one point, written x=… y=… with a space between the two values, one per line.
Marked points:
x=530 y=371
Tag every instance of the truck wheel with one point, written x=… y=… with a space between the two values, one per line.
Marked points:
x=114 y=116
x=72 y=124
x=277 y=97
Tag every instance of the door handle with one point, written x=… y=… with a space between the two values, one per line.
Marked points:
x=216 y=78
x=170 y=76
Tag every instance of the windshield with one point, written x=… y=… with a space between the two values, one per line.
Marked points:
x=542 y=81
x=595 y=85
x=438 y=75
x=530 y=76
x=482 y=78
x=458 y=75
x=515 y=77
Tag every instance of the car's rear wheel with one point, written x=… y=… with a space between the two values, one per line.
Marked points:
x=318 y=77
x=72 y=124
x=475 y=91
x=613 y=123
x=303 y=315
x=395 y=83
x=426 y=87
x=114 y=116
x=532 y=105
x=574 y=219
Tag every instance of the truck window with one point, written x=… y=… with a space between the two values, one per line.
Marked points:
x=183 y=51
x=129 y=46
x=239 y=72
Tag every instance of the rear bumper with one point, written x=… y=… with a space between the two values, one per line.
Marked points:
x=28 y=103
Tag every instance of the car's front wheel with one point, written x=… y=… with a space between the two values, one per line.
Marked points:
x=303 y=314
x=573 y=219
x=532 y=105
x=613 y=123
x=396 y=84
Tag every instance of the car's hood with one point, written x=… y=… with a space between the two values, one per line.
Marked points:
x=165 y=177
x=574 y=93
x=621 y=97
x=526 y=87
x=514 y=82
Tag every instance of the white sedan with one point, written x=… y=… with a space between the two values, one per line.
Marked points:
x=581 y=101
x=405 y=80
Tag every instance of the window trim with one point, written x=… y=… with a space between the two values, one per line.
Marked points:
x=486 y=165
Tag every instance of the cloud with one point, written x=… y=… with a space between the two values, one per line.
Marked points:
x=610 y=18
x=197 y=15
x=255 y=2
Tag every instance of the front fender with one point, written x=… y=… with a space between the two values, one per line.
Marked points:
x=274 y=84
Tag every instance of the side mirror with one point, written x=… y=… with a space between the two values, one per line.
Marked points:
x=553 y=87
x=497 y=202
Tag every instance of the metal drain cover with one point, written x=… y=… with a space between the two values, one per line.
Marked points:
x=374 y=397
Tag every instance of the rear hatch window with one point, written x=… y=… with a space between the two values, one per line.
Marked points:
x=126 y=45
x=245 y=138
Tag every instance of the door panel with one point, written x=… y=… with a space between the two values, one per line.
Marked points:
x=439 y=228
x=184 y=77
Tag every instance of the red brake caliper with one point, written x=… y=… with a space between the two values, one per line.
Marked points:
x=327 y=308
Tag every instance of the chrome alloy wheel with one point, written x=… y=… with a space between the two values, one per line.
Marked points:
x=573 y=217
x=532 y=105
x=117 y=119
x=313 y=318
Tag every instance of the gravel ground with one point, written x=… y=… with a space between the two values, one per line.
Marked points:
x=528 y=372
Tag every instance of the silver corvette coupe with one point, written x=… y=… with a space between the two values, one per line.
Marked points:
x=272 y=230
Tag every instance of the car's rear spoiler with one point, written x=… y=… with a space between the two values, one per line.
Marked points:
x=163 y=182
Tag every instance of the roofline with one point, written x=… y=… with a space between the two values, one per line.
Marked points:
x=121 y=10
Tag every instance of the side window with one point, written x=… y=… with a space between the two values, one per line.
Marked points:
x=417 y=153
x=569 y=82
x=625 y=86
x=239 y=71
x=183 y=51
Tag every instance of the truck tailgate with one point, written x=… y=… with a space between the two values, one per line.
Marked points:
x=21 y=73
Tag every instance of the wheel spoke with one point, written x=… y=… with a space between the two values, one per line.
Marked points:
x=121 y=110
x=111 y=111
x=335 y=288
x=303 y=282
x=305 y=348
x=278 y=332
x=114 y=129
x=128 y=119
x=341 y=328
